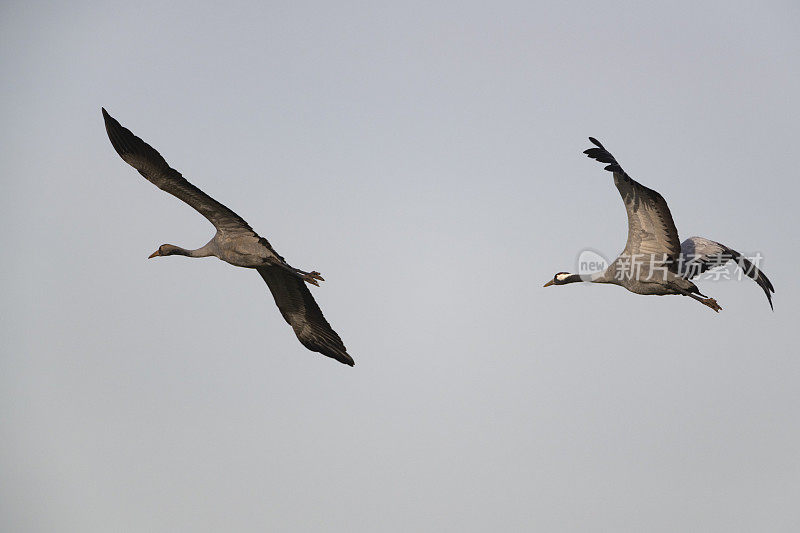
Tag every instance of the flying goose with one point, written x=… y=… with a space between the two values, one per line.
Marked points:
x=654 y=260
x=236 y=243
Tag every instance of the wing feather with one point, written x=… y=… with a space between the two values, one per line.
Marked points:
x=155 y=169
x=300 y=310
x=699 y=255
x=651 y=230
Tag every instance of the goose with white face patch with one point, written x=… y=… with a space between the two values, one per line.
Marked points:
x=654 y=260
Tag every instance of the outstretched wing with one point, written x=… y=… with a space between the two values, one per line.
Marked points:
x=651 y=230
x=699 y=255
x=300 y=311
x=155 y=169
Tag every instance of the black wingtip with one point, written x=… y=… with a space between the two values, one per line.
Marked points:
x=767 y=290
x=119 y=136
x=345 y=358
x=108 y=118
x=334 y=350
x=752 y=272
x=110 y=121
x=604 y=156
x=125 y=142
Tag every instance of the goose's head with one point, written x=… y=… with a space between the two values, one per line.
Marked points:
x=164 y=249
x=563 y=278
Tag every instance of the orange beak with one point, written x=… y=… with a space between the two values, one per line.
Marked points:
x=549 y=283
x=155 y=254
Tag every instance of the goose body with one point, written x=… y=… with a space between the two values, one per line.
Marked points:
x=654 y=261
x=236 y=243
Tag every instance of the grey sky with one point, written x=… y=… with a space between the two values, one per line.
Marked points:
x=426 y=158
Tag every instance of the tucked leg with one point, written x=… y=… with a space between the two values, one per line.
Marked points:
x=709 y=302
x=311 y=277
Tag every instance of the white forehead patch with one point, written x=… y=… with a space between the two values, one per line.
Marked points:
x=562 y=276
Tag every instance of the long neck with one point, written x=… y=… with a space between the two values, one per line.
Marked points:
x=205 y=251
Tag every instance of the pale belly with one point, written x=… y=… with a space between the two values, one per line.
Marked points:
x=243 y=260
x=650 y=288
x=245 y=252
